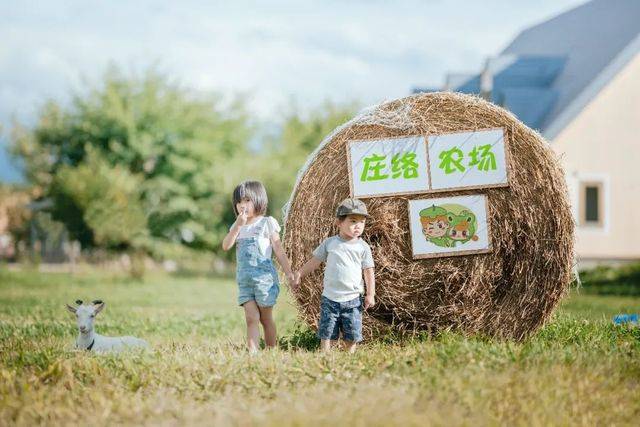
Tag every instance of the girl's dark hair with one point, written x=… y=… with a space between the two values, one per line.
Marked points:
x=254 y=191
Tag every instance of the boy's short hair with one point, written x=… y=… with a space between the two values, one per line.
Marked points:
x=254 y=191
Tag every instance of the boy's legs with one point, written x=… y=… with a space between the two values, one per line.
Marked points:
x=252 y=317
x=327 y=345
x=269 y=326
x=351 y=322
x=350 y=346
x=328 y=327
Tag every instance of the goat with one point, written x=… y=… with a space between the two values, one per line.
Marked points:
x=89 y=340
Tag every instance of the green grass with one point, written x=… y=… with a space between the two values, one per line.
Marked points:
x=579 y=369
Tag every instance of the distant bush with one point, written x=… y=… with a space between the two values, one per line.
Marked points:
x=608 y=280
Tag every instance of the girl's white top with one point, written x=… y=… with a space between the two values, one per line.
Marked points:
x=262 y=228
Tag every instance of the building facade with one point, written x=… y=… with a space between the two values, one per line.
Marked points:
x=576 y=79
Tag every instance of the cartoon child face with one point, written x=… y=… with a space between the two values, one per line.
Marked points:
x=463 y=226
x=434 y=227
x=434 y=222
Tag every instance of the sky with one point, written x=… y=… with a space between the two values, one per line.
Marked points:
x=273 y=52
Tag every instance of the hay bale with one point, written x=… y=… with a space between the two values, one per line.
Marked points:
x=507 y=293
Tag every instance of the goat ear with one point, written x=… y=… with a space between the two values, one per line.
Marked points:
x=99 y=305
x=71 y=309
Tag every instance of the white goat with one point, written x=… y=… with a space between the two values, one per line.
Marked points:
x=89 y=340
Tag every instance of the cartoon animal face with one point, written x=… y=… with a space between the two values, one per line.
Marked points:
x=434 y=227
x=463 y=226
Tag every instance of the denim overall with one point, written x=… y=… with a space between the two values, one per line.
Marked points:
x=255 y=273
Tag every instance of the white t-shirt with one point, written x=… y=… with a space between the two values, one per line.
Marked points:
x=262 y=228
x=344 y=262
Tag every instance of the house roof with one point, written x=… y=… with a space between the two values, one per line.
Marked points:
x=550 y=71
x=591 y=37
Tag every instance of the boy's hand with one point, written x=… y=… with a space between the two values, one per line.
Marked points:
x=369 y=301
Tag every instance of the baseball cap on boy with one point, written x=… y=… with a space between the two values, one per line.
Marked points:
x=352 y=207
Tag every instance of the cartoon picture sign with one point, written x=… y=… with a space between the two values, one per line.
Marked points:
x=468 y=160
x=449 y=226
x=388 y=166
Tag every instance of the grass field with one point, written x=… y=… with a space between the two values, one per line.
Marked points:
x=578 y=370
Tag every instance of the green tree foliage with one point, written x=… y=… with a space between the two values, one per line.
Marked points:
x=109 y=198
x=138 y=160
x=287 y=151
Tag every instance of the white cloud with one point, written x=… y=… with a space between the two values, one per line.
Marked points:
x=312 y=51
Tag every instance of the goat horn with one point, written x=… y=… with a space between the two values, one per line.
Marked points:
x=97 y=301
x=79 y=301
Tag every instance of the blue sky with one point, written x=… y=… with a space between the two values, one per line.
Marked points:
x=275 y=52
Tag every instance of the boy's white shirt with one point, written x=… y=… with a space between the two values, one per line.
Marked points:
x=344 y=261
x=262 y=228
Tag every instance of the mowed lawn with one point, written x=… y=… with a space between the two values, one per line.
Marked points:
x=578 y=370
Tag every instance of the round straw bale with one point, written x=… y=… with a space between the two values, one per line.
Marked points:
x=508 y=293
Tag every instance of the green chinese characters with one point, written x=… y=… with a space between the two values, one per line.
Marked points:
x=375 y=167
x=448 y=225
x=480 y=156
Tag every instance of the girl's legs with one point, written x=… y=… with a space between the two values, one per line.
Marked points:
x=252 y=317
x=266 y=318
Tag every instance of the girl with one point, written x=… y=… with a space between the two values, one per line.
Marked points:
x=257 y=237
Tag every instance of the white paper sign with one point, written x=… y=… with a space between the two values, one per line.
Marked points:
x=467 y=159
x=388 y=166
x=449 y=226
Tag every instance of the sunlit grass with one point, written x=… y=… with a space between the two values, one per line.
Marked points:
x=579 y=369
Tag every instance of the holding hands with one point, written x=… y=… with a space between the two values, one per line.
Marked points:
x=291 y=278
x=294 y=279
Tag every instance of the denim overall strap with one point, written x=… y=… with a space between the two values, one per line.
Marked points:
x=250 y=260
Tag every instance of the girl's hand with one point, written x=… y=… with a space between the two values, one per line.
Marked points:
x=369 y=301
x=296 y=279
x=242 y=217
x=291 y=278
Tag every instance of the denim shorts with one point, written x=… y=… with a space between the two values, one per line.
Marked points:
x=336 y=317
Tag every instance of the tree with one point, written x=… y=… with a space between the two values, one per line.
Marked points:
x=287 y=152
x=142 y=149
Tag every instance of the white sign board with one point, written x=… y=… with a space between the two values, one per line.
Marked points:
x=467 y=160
x=449 y=226
x=388 y=166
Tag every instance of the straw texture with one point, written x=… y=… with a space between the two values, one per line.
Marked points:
x=508 y=293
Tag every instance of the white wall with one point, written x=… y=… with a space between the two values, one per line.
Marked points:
x=603 y=143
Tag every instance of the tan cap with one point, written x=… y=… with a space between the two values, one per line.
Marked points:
x=352 y=207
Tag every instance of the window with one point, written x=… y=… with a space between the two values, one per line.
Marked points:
x=591 y=204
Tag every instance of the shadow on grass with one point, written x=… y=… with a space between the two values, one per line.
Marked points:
x=304 y=338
